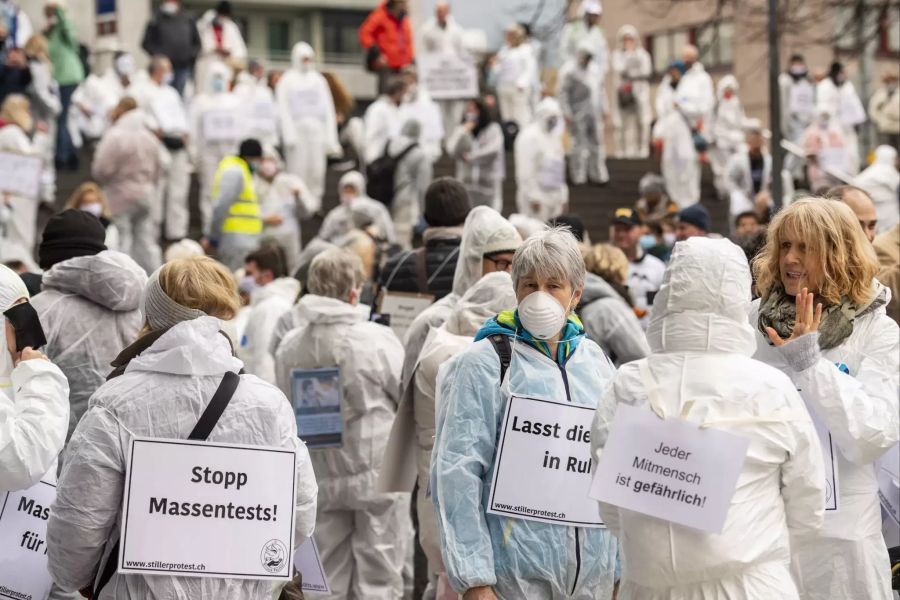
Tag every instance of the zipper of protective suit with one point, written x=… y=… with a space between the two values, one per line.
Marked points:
x=565 y=378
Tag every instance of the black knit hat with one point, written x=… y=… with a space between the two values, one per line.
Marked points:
x=447 y=203
x=69 y=234
x=696 y=215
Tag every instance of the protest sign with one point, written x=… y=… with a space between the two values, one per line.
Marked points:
x=20 y=174
x=802 y=99
x=543 y=467
x=203 y=509
x=403 y=308
x=830 y=459
x=221 y=126
x=669 y=469
x=317 y=399
x=23 y=542
x=308 y=563
x=447 y=76
x=307 y=104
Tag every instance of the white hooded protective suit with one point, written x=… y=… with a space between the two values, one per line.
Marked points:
x=18 y=214
x=412 y=177
x=852 y=389
x=280 y=197
x=308 y=122
x=541 y=190
x=726 y=130
x=844 y=104
x=480 y=163
x=700 y=370
x=262 y=123
x=445 y=40
x=209 y=59
x=583 y=100
x=215 y=132
x=418 y=105
x=631 y=72
x=738 y=180
x=515 y=76
x=89 y=309
x=611 y=322
x=382 y=122
x=352 y=212
x=267 y=305
x=798 y=109
x=363 y=536
x=34 y=406
x=882 y=181
x=161 y=395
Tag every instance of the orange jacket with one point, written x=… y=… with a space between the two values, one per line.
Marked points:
x=393 y=38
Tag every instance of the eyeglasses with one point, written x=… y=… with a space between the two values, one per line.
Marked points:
x=502 y=264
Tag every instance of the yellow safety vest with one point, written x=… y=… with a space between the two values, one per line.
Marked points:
x=244 y=215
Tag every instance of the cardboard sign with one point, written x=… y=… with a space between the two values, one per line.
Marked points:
x=830 y=459
x=20 y=174
x=802 y=99
x=403 y=308
x=308 y=563
x=307 y=104
x=23 y=542
x=669 y=469
x=204 y=509
x=447 y=76
x=316 y=398
x=221 y=126
x=542 y=471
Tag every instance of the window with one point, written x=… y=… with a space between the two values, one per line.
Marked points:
x=340 y=35
x=666 y=46
x=279 y=39
x=716 y=44
x=889 y=25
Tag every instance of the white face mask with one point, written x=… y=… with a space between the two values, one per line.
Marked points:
x=542 y=315
x=169 y=8
x=669 y=239
x=95 y=208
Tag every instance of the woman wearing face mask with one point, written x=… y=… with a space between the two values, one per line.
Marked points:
x=837 y=95
x=18 y=213
x=90 y=198
x=844 y=358
x=34 y=394
x=490 y=557
x=477 y=146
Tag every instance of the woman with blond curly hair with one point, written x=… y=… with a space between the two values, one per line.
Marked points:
x=821 y=319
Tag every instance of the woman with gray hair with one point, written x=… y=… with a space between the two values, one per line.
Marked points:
x=538 y=351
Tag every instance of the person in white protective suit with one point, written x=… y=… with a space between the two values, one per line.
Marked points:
x=700 y=371
x=632 y=112
x=726 y=130
x=45 y=105
x=97 y=95
x=34 y=401
x=584 y=32
x=514 y=74
x=607 y=309
x=477 y=146
x=168 y=119
x=506 y=558
x=541 y=190
x=159 y=387
x=837 y=95
x=881 y=180
x=88 y=303
x=411 y=179
x=221 y=43
x=284 y=200
x=844 y=358
x=355 y=209
x=418 y=105
x=363 y=535
x=253 y=88
x=748 y=174
x=584 y=105
x=273 y=293
x=681 y=104
x=383 y=118
x=308 y=125
x=18 y=214
x=828 y=158
x=492 y=294
x=215 y=132
x=798 y=109
x=442 y=35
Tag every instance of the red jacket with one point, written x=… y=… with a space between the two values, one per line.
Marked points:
x=393 y=38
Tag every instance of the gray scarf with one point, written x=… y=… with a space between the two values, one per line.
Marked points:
x=779 y=311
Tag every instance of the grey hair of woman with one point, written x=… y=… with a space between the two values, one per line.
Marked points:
x=550 y=254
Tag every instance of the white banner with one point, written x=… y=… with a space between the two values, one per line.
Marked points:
x=202 y=509
x=543 y=467
x=221 y=126
x=23 y=542
x=403 y=309
x=669 y=469
x=308 y=563
x=447 y=76
x=20 y=174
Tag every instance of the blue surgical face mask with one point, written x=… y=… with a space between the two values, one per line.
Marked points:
x=218 y=85
x=648 y=241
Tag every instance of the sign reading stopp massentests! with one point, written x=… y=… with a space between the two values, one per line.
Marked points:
x=542 y=471
x=207 y=509
x=669 y=469
x=23 y=542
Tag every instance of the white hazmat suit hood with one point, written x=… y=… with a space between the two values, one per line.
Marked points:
x=485 y=231
x=700 y=371
x=303 y=57
x=882 y=180
x=541 y=164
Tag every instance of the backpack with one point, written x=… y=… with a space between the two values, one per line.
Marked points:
x=381 y=173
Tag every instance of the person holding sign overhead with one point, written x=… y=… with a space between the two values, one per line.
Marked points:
x=161 y=388
x=533 y=355
x=844 y=358
x=700 y=373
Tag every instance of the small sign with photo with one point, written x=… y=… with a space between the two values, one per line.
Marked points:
x=317 y=399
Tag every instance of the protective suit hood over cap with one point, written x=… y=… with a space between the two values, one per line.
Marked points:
x=885 y=155
x=629 y=31
x=548 y=107
x=586 y=47
x=492 y=294
x=12 y=289
x=729 y=82
x=111 y=279
x=302 y=51
x=485 y=232
x=704 y=302
x=354 y=179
